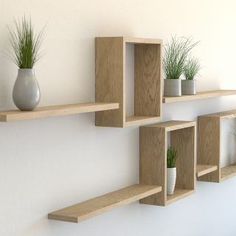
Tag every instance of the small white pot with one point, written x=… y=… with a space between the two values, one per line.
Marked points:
x=188 y=87
x=172 y=87
x=171 y=180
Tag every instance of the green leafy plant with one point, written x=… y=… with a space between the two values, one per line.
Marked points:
x=25 y=44
x=191 y=68
x=176 y=53
x=171 y=157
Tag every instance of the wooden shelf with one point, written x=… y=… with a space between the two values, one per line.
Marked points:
x=200 y=95
x=59 y=110
x=228 y=172
x=153 y=155
x=138 y=120
x=99 y=205
x=178 y=194
x=205 y=169
x=209 y=142
x=110 y=80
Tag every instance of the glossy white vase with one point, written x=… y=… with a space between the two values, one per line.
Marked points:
x=26 y=92
x=171 y=180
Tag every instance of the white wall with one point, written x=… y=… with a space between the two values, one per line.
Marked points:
x=49 y=164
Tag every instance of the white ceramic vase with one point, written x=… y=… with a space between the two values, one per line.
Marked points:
x=171 y=180
x=26 y=92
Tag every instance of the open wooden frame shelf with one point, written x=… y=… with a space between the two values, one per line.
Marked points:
x=99 y=205
x=58 y=110
x=199 y=95
x=209 y=129
x=110 y=80
x=153 y=155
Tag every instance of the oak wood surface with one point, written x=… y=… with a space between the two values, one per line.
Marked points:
x=153 y=154
x=228 y=172
x=178 y=194
x=58 y=110
x=199 y=95
x=99 y=205
x=205 y=169
x=209 y=146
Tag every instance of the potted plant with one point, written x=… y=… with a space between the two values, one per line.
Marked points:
x=191 y=69
x=171 y=170
x=25 y=44
x=176 y=53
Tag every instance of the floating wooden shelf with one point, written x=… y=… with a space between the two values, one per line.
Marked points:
x=205 y=169
x=99 y=205
x=209 y=129
x=110 y=80
x=153 y=155
x=200 y=95
x=59 y=110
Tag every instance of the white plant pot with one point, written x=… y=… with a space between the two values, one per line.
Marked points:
x=188 y=87
x=171 y=180
x=172 y=87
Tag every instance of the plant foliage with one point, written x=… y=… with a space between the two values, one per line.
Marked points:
x=25 y=44
x=191 y=68
x=171 y=157
x=176 y=53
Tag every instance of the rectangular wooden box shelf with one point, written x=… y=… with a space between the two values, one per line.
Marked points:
x=110 y=80
x=99 y=205
x=58 y=110
x=153 y=155
x=199 y=95
x=178 y=194
x=205 y=169
x=228 y=172
x=209 y=132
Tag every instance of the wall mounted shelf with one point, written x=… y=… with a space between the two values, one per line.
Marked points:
x=205 y=169
x=59 y=110
x=99 y=205
x=200 y=95
x=110 y=80
x=153 y=155
x=209 y=129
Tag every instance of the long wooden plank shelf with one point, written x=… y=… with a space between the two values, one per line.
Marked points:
x=228 y=172
x=205 y=169
x=200 y=95
x=58 y=110
x=99 y=205
x=178 y=194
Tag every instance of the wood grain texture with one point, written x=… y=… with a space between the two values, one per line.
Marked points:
x=174 y=125
x=142 y=40
x=99 y=205
x=59 y=110
x=205 y=169
x=199 y=95
x=178 y=194
x=152 y=147
x=140 y=120
x=110 y=61
x=148 y=80
x=209 y=146
x=228 y=172
x=224 y=115
x=184 y=142
x=110 y=79
x=153 y=155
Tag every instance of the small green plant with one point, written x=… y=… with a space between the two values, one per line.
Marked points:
x=171 y=157
x=191 y=68
x=25 y=44
x=176 y=53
